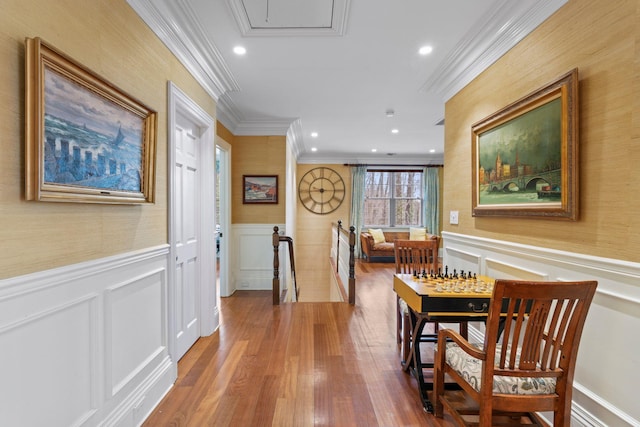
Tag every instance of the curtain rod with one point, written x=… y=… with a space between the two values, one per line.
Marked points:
x=396 y=166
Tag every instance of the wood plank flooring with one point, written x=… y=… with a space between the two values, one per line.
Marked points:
x=299 y=364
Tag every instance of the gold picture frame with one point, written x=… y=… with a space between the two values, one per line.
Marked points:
x=525 y=156
x=85 y=140
x=260 y=189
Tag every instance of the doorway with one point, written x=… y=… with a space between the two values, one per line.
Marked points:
x=192 y=307
x=222 y=206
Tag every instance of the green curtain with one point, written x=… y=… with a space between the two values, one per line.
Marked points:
x=431 y=200
x=358 y=175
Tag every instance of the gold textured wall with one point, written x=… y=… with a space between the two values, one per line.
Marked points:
x=257 y=155
x=313 y=238
x=603 y=42
x=224 y=133
x=109 y=38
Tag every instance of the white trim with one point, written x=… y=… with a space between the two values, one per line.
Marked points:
x=506 y=24
x=338 y=23
x=203 y=61
x=209 y=314
x=37 y=307
x=225 y=288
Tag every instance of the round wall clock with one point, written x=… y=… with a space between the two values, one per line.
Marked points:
x=321 y=190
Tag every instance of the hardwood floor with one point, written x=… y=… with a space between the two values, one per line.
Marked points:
x=299 y=364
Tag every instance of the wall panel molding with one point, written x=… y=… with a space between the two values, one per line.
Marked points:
x=615 y=311
x=253 y=256
x=87 y=342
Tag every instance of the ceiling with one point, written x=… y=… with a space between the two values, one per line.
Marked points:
x=336 y=67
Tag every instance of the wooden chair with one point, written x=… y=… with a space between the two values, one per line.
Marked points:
x=412 y=256
x=530 y=369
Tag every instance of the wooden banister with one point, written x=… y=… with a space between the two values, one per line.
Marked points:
x=276 y=238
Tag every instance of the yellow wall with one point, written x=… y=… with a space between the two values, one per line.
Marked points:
x=224 y=133
x=313 y=235
x=258 y=155
x=109 y=38
x=603 y=42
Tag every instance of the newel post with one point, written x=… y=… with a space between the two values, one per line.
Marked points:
x=352 y=263
x=275 y=240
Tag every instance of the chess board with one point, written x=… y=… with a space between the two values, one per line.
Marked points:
x=479 y=286
x=445 y=298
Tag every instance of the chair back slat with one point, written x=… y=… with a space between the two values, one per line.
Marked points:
x=416 y=256
x=541 y=322
x=550 y=350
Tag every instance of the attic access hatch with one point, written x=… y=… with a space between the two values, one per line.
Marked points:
x=275 y=17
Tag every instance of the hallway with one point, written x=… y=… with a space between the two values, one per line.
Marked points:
x=298 y=364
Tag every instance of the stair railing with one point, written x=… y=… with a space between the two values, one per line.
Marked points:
x=345 y=269
x=275 y=241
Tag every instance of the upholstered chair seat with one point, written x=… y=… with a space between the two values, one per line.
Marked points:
x=470 y=368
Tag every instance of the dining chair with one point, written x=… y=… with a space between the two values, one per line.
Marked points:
x=412 y=257
x=527 y=361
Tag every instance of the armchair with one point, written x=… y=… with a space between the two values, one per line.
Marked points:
x=531 y=369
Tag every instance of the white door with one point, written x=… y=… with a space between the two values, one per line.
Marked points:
x=191 y=297
x=187 y=232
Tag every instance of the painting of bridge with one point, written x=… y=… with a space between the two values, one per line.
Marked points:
x=520 y=161
x=524 y=155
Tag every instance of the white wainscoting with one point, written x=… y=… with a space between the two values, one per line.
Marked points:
x=86 y=344
x=252 y=256
x=608 y=368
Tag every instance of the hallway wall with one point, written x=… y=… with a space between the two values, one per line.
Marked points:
x=603 y=42
x=109 y=38
x=83 y=287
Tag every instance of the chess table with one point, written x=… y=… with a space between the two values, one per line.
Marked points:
x=441 y=300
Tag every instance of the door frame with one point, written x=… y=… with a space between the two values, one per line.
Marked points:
x=180 y=103
x=226 y=288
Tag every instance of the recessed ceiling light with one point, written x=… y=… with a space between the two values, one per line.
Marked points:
x=314 y=149
x=432 y=151
x=425 y=50
x=373 y=150
x=314 y=134
x=239 y=50
x=394 y=131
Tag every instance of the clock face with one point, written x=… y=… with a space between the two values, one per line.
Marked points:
x=321 y=190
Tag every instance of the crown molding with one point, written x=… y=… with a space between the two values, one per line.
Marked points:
x=263 y=127
x=294 y=138
x=227 y=113
x=186 y=40
x=337 y=29
x=313 y=158
x=506 y=25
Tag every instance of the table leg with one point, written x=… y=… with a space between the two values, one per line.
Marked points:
x=413 y=362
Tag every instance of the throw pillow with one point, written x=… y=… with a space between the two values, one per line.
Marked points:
x=378 y=235
x=417 y=233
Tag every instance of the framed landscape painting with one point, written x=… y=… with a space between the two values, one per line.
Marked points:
x=525 y=156
x=260 y=189
x=86 y=141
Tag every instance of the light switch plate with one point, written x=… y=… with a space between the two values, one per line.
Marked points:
x=453 y=217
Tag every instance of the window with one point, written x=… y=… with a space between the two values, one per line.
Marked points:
x=393 y=198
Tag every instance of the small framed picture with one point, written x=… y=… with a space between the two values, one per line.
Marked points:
x=260 y=189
